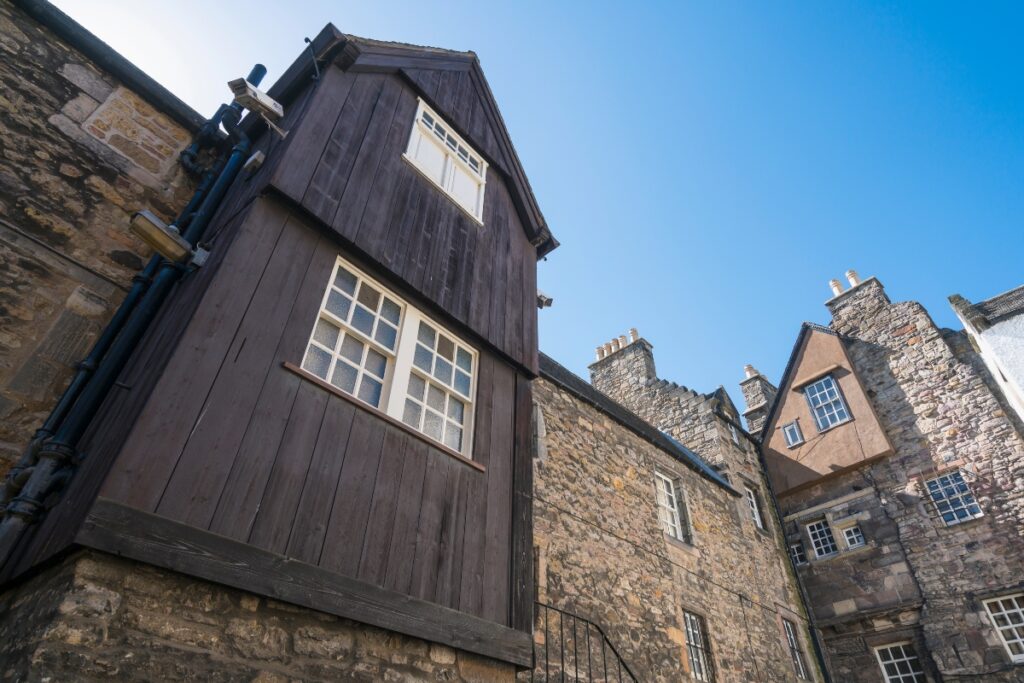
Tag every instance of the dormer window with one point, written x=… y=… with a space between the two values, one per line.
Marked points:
x=437 y=152
x=826 y=403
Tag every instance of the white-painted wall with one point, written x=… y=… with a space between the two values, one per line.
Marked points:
x=1002 y=349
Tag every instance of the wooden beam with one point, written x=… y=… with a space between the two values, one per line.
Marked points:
x=142 y=536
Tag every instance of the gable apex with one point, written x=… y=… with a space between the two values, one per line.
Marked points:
x=438 y=75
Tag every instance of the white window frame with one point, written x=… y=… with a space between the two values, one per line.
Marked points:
x=955 y=498
x=672 y=513
x=754 y=503
x=853 y=537
x=735 y=434
x=828 y=408
x=798 y=552
x=1011 y=631
x=792 y=434
x=698 y=647
x=429 y=128
x=795 y=651
x=903 y=656
x=400 y=361
x=822 y=538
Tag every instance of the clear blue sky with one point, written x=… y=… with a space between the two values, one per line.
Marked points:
x=708 y=167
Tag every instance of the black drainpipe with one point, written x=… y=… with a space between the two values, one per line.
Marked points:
x=50 y=459
x=819 y=653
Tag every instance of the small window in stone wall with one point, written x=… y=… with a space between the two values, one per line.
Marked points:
x=795 y=651
x=900 y=663
x=822 y=540
x=1007 y=615
x=953 y=498
x=698 y=648
x=798 y=553
x=735 y=433
x=672 y=512
x=854 y=537
x=754 y=503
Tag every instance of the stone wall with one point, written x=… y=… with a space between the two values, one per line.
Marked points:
x=96 y=617
x=80 y=153
x=917 y=578
x=602 y=554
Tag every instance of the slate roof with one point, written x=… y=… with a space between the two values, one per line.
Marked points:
x=1002 y=305
x=551 y=370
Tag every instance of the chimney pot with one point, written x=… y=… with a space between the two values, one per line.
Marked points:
x=615 y=345
x=607 y=348
x=852 y=277
x=600 y=352
x=622 y=341
x=750 y=371
x=836 y=286
x=633 y=334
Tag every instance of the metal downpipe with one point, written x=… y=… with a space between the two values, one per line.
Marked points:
x=58 y=452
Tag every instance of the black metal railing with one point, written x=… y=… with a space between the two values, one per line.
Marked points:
x=568 y=648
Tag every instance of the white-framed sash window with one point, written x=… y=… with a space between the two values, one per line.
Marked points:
x=1007 y=615
x=672 y=512
x=899 y=663
x=447 y=160
x=791 y=431
x=371 y=344
x=826 y=403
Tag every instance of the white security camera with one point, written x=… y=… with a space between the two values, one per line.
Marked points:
x=254 y=99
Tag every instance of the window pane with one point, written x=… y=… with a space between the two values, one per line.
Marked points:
x=386 y=335
x=390 y=311
x=345 y=281
x=445 y=347
x=362 y=320
x=453 y=437
x=443 y=370
x=423 y=358
x=317 y=361
x=416 y=387
x=352 y=349
x=338 y=304
x=456 y=409
x=426 y=335
x=411 y=415
x=369 y=297
x=376 y=363
x=462 y=382
x=464 y=360
x=435 y=398
x=344 y=376
x=369 y=390
x=326 y=333
x=432 y=425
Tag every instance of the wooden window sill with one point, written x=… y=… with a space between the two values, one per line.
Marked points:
x=330 y=388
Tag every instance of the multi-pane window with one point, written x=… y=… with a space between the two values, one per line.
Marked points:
x=792 y=433
x=355 y=336
x=698 y=649
x=826 y=403
x=854 y=537
x=1007 y=614
x=900 y=663
x=447 y=160
x=439 y=386
x=671 y=508
x=953 y=498
x=799 y=665
x=371 y=345
x=797 y=552
x=822 y=541
x=754 y=503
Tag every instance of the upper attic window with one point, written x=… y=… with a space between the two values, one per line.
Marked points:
x=437 y=152
x=826 y=403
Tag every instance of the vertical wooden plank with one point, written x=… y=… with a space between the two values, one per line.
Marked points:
x=375 y=215
x=521 y=599
x=335 y=166
x=471 y=590
x=428 y=530
x=152 y=449
x=427 y=80
x=497 y=553
x=347 y=526
x=195 y=486
x=309 y=528
x=254 y=459
x=499 y=275
x=480 y=292
x=347 y=218
x=305 y=145
x=449 y=573
x=381 y=521
x=279 y=501
x=529 y=308
x=402 y=550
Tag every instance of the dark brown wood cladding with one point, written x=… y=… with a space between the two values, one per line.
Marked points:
x=344 y=165
x=233 y=443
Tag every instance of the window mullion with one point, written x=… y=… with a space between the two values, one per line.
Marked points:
x=403 y=363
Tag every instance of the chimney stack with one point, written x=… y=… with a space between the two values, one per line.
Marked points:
x=836 y=286
x=622 y=363
x=852 y=277
x=759 y=395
